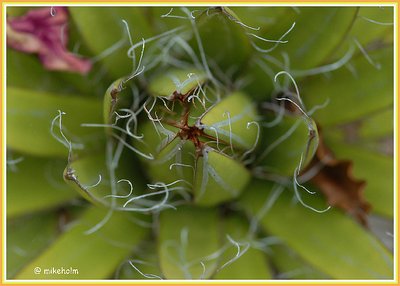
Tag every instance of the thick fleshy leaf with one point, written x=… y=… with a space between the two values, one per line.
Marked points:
x=188 y=237
x=164 y=169
x=97 y=80
x=164 y=18
x=161 y=23
x=379 y=23
x=376 y=168
x=80 y=255
x=218 y=178
x=19 y=65
x=359 y=94
x=85 y=172
x=270 y=24
x=284 y=143
x=176 y=81
x=264 y=26
x=175 y=160
x=232 y=118
x=116 y=97
x=143 y=264
x=104 y=32
x=155 y=141
x=377 y=125
x=26 y=237
x=171 y=154
x=368 y=131
x=331 y=242
x=90 y=177
x=317 y=33
x=262 y=19
x=258 y=78
x=36 y=184
x=244 y=262
x=291 y=266
x=219 y=27
x=29 y=118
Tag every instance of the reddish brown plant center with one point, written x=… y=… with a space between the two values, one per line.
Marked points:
x=186 y=131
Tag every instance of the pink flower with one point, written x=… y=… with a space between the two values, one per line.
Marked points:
x=44 y=32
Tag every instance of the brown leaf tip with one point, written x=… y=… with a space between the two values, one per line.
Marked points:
x=336 y=181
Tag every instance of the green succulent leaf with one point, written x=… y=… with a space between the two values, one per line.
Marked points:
x=218 y=178
x=90 y=176
x=241 y=260
x=82 y=250
x=36 y=184
x=103 y=31
x=368 y=131
x=86 y=172
x=20 y=64
x=216 y=28
x=231 y=118
x=369 y=88
x=262 y=19
x=143 y=264
x=377 y=125
x=341 y=248
x=30 y=114
x=291 y=265
x=162 y=168
x=378 y=21
x=285 y=143
x=179 y=81
x=116 y=97
x=259 y=78
x=188 y=239
x=166 y=18
x=27 y=237
x=316 y=35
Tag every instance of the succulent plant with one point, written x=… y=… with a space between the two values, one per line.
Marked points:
x=200 y=142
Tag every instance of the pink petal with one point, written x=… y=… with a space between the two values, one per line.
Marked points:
x=42 y=33
x=23 y=42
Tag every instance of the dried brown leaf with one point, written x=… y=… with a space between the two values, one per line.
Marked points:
x=336 y=181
